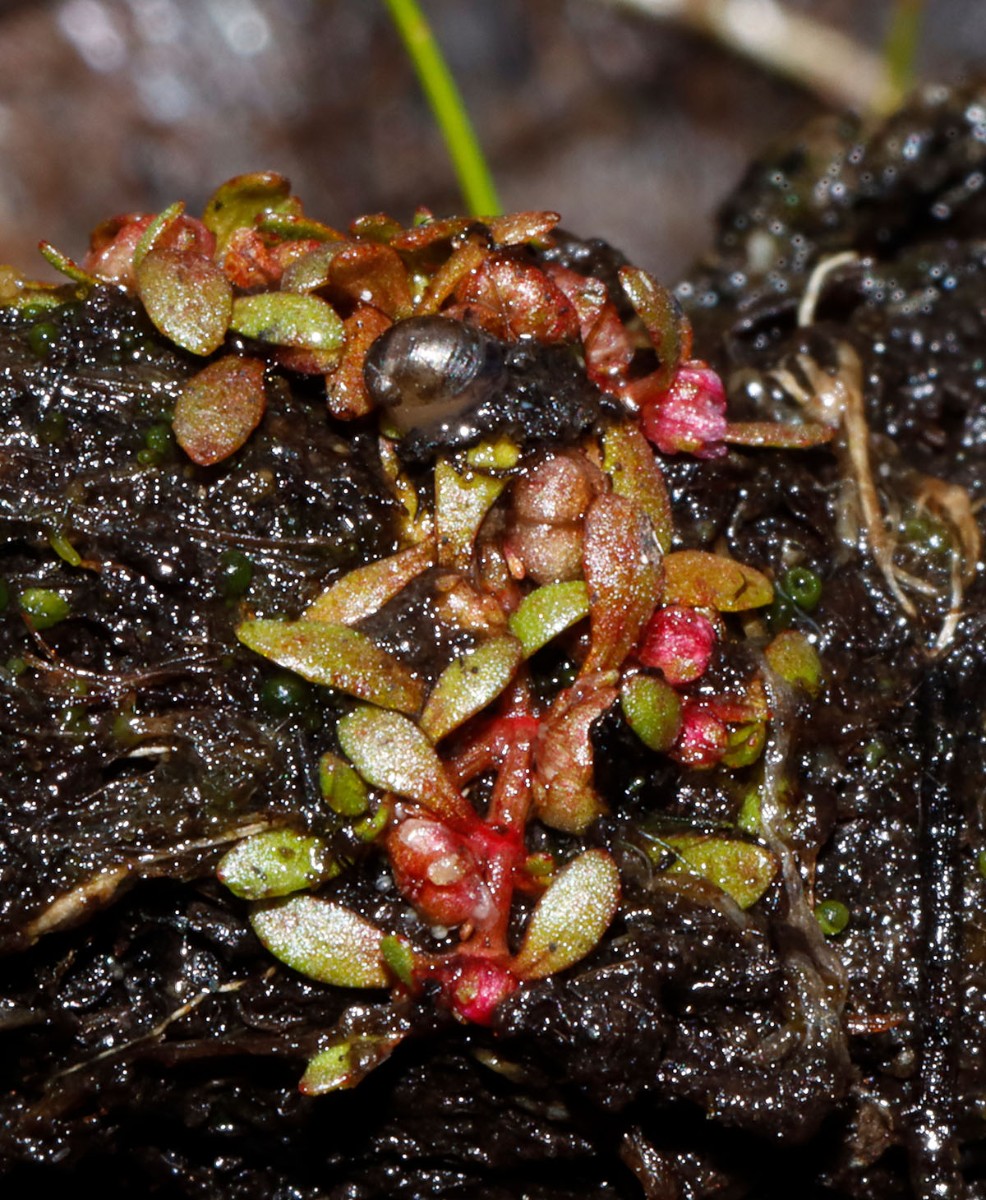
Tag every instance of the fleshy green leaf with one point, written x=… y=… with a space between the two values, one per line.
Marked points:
x=153 y=231
x=795 y=659
x=367 y=589
x=653 y=710
x=288 y=319
x=244 y=199
x=292 y=227
x=219 y=408
x=667 y=326
x=744 y=870
x=461 y=503
x=698 y=579
x=364 y=271
x=345 y=1064
x=571 y=917
x=468 y=684
x=311 y=270
x=392 y=753
x=630 y=463
x=399 y=956
x=341 y=787
x=276 y=863
x=547 y=611
x=67 y=266
x=187 y=297
x=323 y=940
x=335 y=657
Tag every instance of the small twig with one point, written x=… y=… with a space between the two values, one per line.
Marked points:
x=161 y=1028
x=816 y=56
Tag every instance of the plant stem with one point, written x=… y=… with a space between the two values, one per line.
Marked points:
x=902 y=44
x=475 y=180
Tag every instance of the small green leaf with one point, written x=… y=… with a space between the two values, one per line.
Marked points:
x=468 y=684
x=667 y=326
x=276 y=863
x=187 y=297
x=67 y=266
x=698 y=579
x=795 y=659
x=630 y=463
x=392 y=753
x=335 y=657
x=291 y=227
x=244 y=199
x=153 y=231
x=341 y=787
x=44 y=606
x=461 y=504
x=323 y=940
x=652 y=709
x=345 y=1064
x=571 y=917
x=287 y=319
x=219 y=408
x=548 y=611
x=399 y=956
x=367 y=589
x=743 y=870
x=311 y=270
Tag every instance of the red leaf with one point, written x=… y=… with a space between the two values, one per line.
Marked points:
x=219 y=408
x=511 y=299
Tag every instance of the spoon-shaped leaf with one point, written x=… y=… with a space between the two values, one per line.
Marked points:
x=276 y=863
x=345 y=1064
x=667 y=326
x=323 y=940
x=336 y=657
x=187 y=297
x=219 y=408
x=630 y=463
x=367 y=589
x=571 y=917
x=461 y=504
x=547 y=611
x=744 y=870
x=652 y=709
x=392 y=753
x=622 y=561
x=698 y=579
x=287 y=319
x=468 y=684
x=240 y=201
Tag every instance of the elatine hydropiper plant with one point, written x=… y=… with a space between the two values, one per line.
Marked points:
x=522 y=393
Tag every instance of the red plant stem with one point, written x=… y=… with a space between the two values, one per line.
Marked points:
x=512 y=740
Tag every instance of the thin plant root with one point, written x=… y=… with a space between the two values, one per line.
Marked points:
x=838 y=400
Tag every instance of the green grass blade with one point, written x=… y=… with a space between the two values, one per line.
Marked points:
x=475 y=180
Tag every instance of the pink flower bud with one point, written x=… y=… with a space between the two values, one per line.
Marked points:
x=679 y=642
x=475 y=987
x=691 y=415
x=702 y=740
